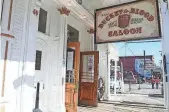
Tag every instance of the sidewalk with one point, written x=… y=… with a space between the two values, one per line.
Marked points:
x=103 y=107
x=145 y=89
x=145 y=99
x=141 y=96
x=131 y=101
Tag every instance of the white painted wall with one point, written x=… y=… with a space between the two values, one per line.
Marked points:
x=53 y=46
x=19 y=71
x=165 y=48
x=104 y=64
x=86 y=40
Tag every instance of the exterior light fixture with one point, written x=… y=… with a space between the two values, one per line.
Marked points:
x=83 y=17
x=79 y=2
x=69 y=3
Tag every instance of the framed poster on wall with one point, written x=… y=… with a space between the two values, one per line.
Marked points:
x=136 y=20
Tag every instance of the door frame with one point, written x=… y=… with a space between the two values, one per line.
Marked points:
x=96 y=75
x=76 y=74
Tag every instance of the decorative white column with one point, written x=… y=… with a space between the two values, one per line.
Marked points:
x=91 y=31
x=122 y=72
x=165 y=40
x=62 y=52
x=108 y=71
x=115 y=77
x=167 y=84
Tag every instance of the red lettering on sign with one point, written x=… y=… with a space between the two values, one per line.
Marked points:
x=101 y=26
x=120 y=32
x=137 y=11
x=125 y=32
x=126 y=11
x=141 y=12
x=139 y=30
x=133 y=31
x=111 y=15
x=132 y=10
x=104 y=22
x=151 y=18
x=107 y=18
x=110 y=33
x=116 y=13
x=146 y=15
x=115 y=33
x=121 y=12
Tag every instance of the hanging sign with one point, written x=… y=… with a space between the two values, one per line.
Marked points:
x=130 y=21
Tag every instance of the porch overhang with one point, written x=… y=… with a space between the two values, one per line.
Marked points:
x=78 y=11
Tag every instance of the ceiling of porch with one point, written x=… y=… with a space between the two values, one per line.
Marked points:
x=85 y=10
x=91 y=5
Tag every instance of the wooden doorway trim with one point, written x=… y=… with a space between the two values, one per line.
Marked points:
x=71 y=89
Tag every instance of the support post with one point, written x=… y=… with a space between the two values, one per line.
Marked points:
x=144 y=64
x=115 y=78
x=108 y=73
x=122 y=70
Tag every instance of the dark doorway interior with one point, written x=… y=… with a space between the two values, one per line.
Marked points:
x=73 y=34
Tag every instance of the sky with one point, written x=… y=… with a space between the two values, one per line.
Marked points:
x=135 y=49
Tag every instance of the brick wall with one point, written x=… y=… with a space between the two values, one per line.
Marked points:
x=129 y=62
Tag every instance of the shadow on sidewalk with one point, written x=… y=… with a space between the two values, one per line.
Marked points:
x=156 y=95
x=135 y=105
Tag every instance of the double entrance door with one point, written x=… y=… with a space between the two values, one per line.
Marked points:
x=81 y=77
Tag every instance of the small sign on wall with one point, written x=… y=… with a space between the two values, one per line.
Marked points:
x=130 y=21
x=70 y=59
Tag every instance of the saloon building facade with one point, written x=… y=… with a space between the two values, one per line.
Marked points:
x=49 y=42
x=41 y=41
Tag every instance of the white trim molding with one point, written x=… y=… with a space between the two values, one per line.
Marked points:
x=78 y=10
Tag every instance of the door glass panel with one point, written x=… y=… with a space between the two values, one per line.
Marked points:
x=88 y=68
x=69 y=76
x=70 y=65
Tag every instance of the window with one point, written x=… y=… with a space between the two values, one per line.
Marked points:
x=70 y=65
x=38 y=60
x=112 y=63
x=42 y=21
x=73 y=34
